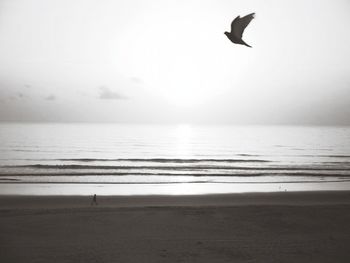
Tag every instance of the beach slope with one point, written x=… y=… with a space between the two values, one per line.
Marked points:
x=279 y=227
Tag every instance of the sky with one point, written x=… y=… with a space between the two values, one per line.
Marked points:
x=166 y=61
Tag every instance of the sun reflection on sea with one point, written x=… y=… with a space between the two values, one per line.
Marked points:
x=183 y=135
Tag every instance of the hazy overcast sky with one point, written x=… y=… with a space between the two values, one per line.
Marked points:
x=167 y=61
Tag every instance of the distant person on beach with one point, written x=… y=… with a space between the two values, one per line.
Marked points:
x=94 y=200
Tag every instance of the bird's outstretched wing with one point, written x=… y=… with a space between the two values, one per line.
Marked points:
x=239 y=24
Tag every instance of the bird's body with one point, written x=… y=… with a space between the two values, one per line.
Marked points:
x=237 y=27
x=236 y=40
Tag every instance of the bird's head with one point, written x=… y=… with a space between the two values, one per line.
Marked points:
x=226 y=33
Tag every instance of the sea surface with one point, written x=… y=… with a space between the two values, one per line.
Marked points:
x=121 y=159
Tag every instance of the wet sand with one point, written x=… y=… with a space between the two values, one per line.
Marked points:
x=270 y=227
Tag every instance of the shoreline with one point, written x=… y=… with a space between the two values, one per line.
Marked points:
x=58 y=189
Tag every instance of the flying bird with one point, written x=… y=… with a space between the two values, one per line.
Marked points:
x=237 y=27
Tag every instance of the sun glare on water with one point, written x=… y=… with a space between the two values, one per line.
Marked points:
x=183 y=134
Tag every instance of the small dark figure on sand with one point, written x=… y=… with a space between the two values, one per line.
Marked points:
x=94 y=200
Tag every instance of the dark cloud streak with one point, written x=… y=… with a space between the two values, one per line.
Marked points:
x=108 y=94
x=51 y=97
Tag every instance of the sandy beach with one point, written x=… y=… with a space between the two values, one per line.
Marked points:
x=275 y=227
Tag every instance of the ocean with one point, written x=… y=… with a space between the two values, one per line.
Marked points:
x=124 y=159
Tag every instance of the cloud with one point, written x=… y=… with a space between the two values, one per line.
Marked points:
x=108 y=94
x=51 y=97
x=136 y=80
x=20 y=95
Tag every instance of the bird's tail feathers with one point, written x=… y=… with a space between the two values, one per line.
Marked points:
x=244 y=43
